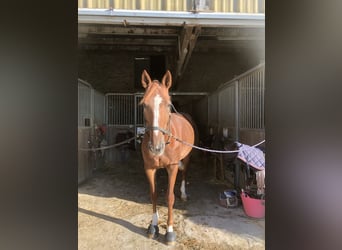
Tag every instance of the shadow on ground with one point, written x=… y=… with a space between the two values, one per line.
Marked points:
x=118 y=194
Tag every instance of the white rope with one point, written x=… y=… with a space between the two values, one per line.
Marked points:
x=206 y=149
x=107 y=147
x=179 y=140
x=258 y=143
x=213 y=150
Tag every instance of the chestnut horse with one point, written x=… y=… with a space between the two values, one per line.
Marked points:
x=161 y=147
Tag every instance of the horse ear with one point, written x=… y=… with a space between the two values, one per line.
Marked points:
x=145 y=79
x=167 y=79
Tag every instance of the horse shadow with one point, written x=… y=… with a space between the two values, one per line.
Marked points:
x=121 y=222
x=127 y=181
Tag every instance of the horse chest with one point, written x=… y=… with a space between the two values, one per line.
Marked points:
x=162 y=161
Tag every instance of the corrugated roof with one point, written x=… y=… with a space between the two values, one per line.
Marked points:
x=176 y=18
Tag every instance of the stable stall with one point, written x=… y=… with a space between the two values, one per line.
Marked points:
x=90 y=122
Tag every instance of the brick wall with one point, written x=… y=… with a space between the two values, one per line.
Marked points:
x=114 y=71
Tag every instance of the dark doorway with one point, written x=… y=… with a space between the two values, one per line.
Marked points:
x=155 y=66
x=140 y=63
x=157 y=69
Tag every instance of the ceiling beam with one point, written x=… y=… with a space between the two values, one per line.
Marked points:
x=135 y=48
x=186 y=45
x=127 y=41
x=130 y=30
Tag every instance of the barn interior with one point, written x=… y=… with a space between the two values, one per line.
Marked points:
x=215 y=53
x=202 y=49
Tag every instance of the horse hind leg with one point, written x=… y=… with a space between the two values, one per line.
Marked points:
x=153 y=230
x=184 y=165
x=170 y=235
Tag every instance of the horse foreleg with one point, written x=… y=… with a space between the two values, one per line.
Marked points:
x=153 y=230
x=172 y=171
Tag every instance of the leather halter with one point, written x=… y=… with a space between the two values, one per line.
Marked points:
x=164 y=131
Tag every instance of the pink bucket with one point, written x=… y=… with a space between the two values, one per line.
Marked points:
x=253 y=207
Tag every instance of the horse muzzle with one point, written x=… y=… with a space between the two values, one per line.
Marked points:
x=157 y=149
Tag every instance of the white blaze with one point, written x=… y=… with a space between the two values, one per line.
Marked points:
x=157 y=101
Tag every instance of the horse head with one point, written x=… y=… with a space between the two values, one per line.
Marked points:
x=157 y=112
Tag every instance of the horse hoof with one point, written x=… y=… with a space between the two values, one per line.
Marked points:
x=152 y=231
x=170 y=238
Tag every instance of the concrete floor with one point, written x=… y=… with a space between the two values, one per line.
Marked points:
x=114 y=210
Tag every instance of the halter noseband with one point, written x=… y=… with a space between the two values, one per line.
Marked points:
x=164 y=131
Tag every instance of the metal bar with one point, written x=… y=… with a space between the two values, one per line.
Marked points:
x=120 y=108
x=240 y=77
x=248 y=114
x=240 y=103
x=112 y=108
x=260 y=96
x=252 y=101
x=248 y=104
x=85 y=83
x=237 y=117
x=117 y=110
x=104 y=110
x=249 y=101
x=259 y=99
x=255 y=94
x=107 y=110
x=92 y=107
x=123 y=107
x=263 y=98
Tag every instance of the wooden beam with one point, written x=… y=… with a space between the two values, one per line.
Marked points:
x=127 y=41
x=186 y=44
x=133 y=48
x=131 y=30
x=183 y=44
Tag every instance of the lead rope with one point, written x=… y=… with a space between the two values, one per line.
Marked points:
x=212 y=150
x=206 y=149
x=108 y=147
x=176 y=138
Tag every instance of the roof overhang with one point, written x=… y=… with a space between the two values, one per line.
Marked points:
x=170 y=18
x=175 y=32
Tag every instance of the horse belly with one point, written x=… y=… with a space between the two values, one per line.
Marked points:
x=184 y=133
